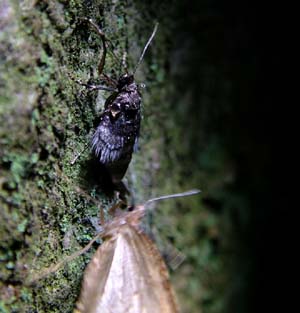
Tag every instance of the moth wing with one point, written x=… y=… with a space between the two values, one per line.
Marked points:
x=95 y=277
x=156 y=293
x=127 y=275
x=106 y=143
x=138 y=280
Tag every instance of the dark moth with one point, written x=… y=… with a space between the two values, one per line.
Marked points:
x=117 y=133
x=118 y=128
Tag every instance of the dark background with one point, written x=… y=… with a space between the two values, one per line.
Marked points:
x=231 y=62
x=242 y=42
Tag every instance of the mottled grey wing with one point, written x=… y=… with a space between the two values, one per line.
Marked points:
x=106 y=142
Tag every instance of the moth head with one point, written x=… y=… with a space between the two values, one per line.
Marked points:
x=125 y=80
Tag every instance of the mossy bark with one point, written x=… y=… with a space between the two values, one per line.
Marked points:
x=46 y=119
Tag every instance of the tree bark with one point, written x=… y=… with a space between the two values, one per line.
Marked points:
x=204 y=126
x=48 y=204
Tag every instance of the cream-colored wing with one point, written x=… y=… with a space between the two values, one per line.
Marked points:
x=155 y=290
x=132 y=277
x=95 y=277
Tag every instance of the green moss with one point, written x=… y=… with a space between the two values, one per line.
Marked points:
x=3 y=307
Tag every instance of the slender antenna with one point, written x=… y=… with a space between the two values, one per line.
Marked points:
x=52 y=269
x=175 y=195
x=146 y=47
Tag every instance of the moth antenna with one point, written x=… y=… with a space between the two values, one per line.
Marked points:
x=175 y=195
x=52 y=269
x=146 y=47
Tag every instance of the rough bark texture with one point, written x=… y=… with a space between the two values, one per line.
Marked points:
x=198 y=112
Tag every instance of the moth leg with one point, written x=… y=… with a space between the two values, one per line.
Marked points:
x=123 y=191
x=78 y=155
x=110 y=81
x=102 y=36
x=172 y=256
x=102 y=217
x=101 y=64
x=115 y=207
x=93 y=87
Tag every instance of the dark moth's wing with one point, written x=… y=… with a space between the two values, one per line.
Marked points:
x=127 y=274
x=107 y=143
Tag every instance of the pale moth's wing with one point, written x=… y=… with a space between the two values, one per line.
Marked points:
x=127 y=275
x=95 y=278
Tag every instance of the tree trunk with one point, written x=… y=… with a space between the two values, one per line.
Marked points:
x=197 y=131
x=46 y=120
